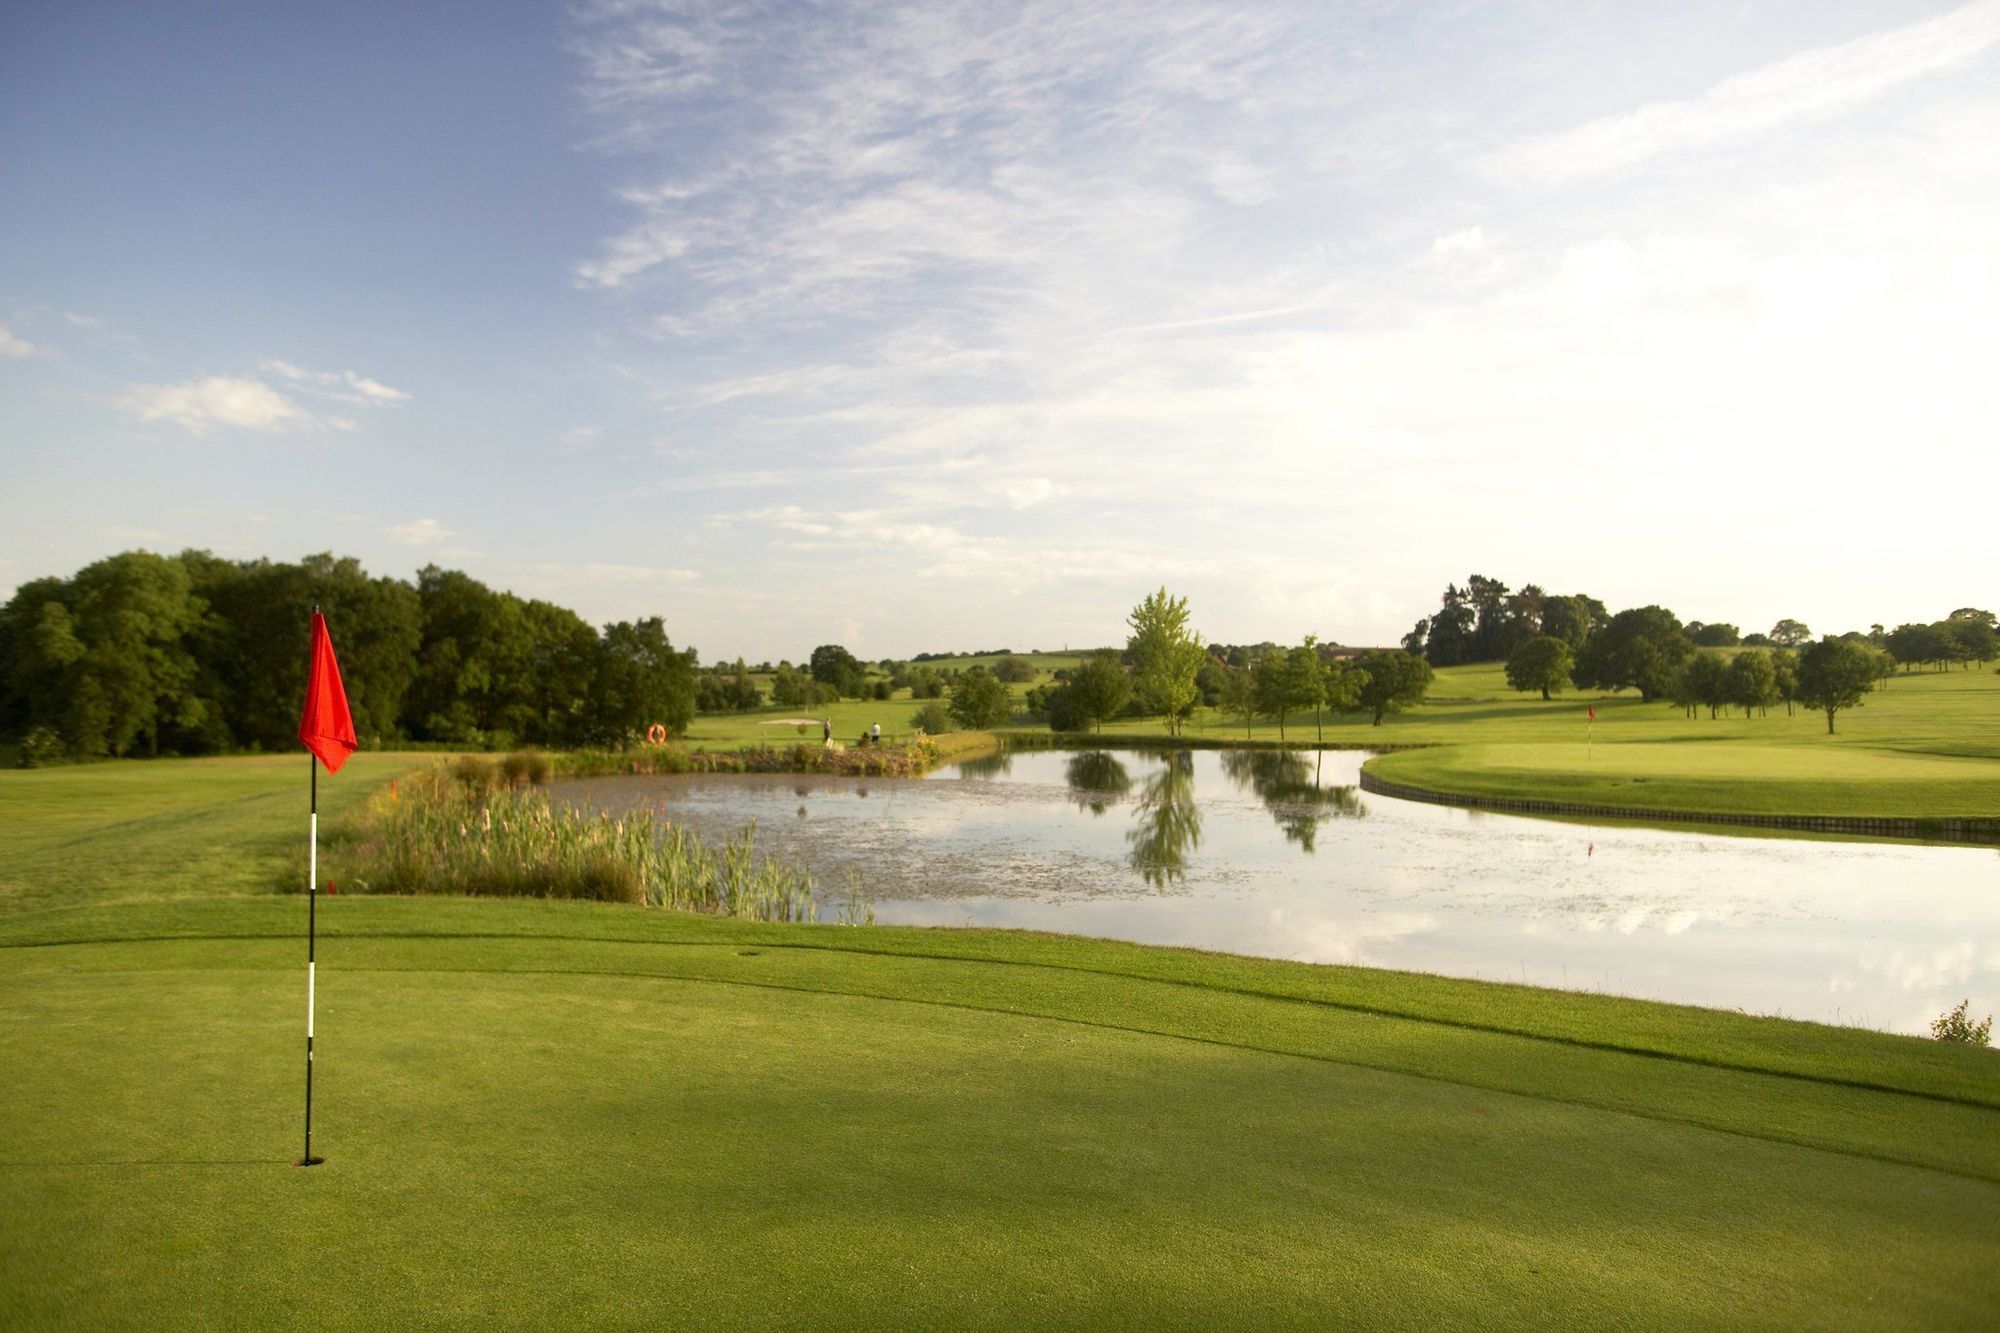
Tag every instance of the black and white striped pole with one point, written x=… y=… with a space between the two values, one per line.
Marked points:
x=312 y=915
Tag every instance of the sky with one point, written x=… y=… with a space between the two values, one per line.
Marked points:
x=930 y=327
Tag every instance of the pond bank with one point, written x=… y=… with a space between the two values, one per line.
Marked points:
x=1983 y=831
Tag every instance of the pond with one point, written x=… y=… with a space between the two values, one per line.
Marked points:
x=1278 y=853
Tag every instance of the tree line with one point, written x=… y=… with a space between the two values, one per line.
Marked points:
x=196 y=654
x=1554 y=643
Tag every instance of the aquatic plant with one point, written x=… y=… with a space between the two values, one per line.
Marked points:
x=444 y=831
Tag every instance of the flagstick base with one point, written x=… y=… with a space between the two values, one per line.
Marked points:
x=307 y=1161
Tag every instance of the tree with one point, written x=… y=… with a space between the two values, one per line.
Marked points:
x=640 y=680
x=1834 y=674
x=1913 y=644
x=1014 y=670
x=1704 y=680
x=1752 y=682
x=1972 y=640
x=1448 y=637
x=1572 y=619
x=1790 y=633
x=1396 y=680
x=1542 y=663
x=1099 y=688
x=1642 y=648
x=1289 y=680
x=1166 y=657
x=1785 y=677
x=1239 y=694
x=1717 y=635
x=979 y=701
x=833 y=665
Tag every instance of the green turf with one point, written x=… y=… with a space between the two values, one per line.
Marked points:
x=540 y=1113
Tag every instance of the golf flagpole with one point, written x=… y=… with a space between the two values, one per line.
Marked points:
x=312 y=933
x=326 y=728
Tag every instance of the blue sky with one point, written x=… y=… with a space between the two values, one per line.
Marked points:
x=950 y=326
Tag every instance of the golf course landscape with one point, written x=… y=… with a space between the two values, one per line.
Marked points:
x=540 y=1112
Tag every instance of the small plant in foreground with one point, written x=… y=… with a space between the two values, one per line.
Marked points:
x=1956 y=1026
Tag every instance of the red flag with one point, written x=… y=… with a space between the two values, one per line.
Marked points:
x=1593 y=709
x=326 y=727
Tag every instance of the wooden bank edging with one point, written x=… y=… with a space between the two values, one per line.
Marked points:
x=1929 y=830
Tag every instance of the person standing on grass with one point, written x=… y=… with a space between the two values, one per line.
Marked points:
x=826 y=731
x=875 y=734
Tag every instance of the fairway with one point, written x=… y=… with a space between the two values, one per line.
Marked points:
x=536 y=1113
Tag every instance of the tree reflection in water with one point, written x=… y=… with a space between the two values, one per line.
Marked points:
x=1165 y=823
x=1290 y=789
x=996 y=765
x=1097 y=781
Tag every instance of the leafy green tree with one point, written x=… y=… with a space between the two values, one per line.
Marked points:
x=1752 y=682
x=131 y=615
x=1166 y=656
x=1915 y=644
x=1396 y=680
x=1834 y=674
x=640 y=680
x=1717 y=635
x=1572 y=619
x=1099 y=688
x=1642 y=648
x=1542 y=663
x=1014 y=670
x=833 y=665
x=1785 y=677
x=979 y=701
x=1704 y=681
x=1972 y=640
x=1790 y=633
x=1239 y=693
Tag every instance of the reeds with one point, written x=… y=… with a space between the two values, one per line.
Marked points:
x=873 y=761
x=448 y=831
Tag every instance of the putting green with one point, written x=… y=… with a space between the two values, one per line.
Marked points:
x=588 y=1115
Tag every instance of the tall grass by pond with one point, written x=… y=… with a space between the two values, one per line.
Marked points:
x=454 y=830
x=886 y=760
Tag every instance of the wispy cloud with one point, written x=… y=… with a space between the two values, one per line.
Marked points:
x=343 y=386
x=421 y=532
x=1812 y=85
x=13 y=346
x=218 y=400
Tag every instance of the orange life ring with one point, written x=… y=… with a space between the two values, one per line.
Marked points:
x=657 y=734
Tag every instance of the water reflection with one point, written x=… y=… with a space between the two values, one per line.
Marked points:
x=1204 y=849
x=996 y=765
x=1293 y=790
x=1166 y=825
x=1097 y=781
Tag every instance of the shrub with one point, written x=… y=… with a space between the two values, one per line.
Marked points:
x=476 y=775
x=1956 y=1026
x=524 y=768
x=932 y=718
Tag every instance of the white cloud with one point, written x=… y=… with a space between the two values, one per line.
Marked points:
x=199 y=405
x=421 y=532
x=343 y=385
x=13 y=346
x=1452 y=245
x=1812 y=85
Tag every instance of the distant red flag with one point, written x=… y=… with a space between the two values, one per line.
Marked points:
x=326 y=727
x=1593 y=712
